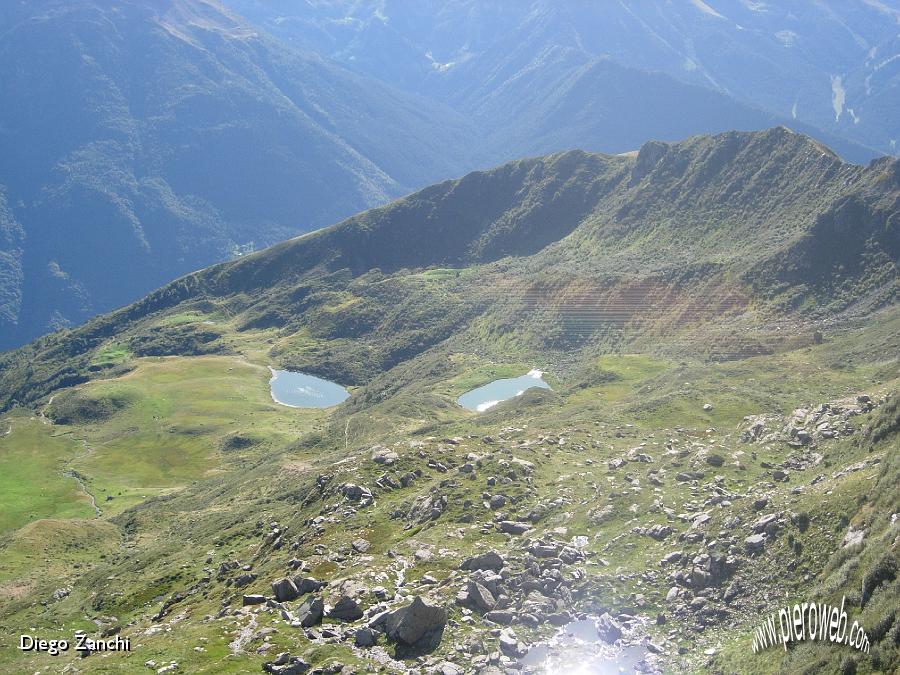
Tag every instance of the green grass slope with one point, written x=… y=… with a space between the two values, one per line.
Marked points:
x=718 y=320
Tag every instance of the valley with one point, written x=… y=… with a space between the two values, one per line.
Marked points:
x=718 y=435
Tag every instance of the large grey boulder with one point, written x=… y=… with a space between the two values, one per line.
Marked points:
x=608 y=629
x=383 y=455
x=755 y=543
x=480 y=597
x=346 y=609
x=484 y=561
x=514 y=527
x=307 y=585
x=284 y=590
x=310 y=612
x=414 y=623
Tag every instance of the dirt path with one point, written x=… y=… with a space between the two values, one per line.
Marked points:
x=243 y=637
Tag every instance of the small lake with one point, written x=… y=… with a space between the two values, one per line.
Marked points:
x=299 y=390
x=489 y=395
x=577 y=648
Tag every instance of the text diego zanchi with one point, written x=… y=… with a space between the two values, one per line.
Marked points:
x=80 y=642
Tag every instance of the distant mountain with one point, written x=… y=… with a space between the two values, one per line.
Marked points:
x=143 y=140
x=146 y=140
x=833 y=66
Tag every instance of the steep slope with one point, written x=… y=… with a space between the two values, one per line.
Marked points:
x=160 y=139
x=728 y=213
x=718 y=321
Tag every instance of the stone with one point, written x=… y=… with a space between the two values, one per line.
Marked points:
x=308 y=585
x=244 y=579
x=608 y=629
x=416 y=622
x=765 y=523
x=291 y=665
x=346 y=609
x=361 y=545
x=480 y=597
x=671 y=558
x=707 y=407
x=514 y=527
x=383 y=455
x=543 y=551
x=510 y=645
x=284 y=590
x=365 y=637
x=502 y=617
x=253 y=600
x=490 y=560
x=310 y=612
x=497 y=502
x=447 y=668
x=660 y=532
x=853 y=537
x=715 y=460
x=755 y=543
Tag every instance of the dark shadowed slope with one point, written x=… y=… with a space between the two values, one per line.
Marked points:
x=141 y=141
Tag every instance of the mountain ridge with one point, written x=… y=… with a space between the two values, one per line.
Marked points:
x=720 y=205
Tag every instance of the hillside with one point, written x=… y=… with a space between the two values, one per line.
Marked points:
x=158 y=139
x=717 y=319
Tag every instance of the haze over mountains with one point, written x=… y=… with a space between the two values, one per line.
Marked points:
x=831 y=64
x=148 y=140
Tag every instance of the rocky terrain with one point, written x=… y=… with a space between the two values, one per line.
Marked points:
x=719 y=440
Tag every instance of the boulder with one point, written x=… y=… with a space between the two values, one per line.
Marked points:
x=500 y=616
x=365 y=637
x=765 y=523
x=415 y=623
x=491 y=560
x=480 y=597
x=510 y=645
x=660 y=532
x=755 y=543
x=383 y=455
x=310 y=612
x=284 y=590
x=285 y=664
x=307 y=585
x=346 y=609
x=608 y=629
x=514 y=527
